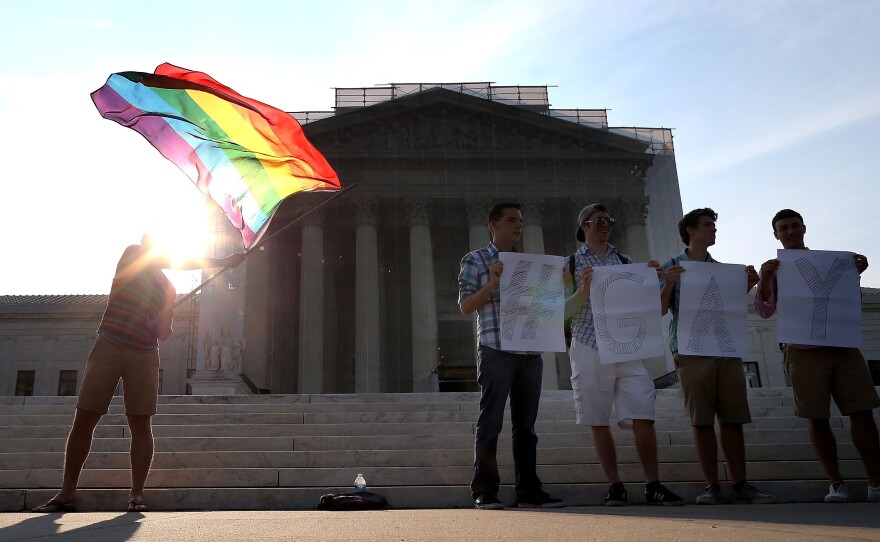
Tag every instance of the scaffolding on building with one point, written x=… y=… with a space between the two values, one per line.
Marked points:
x=532 y=97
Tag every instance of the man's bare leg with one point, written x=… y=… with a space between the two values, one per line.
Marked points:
x=825 y=446
x=867 y=442
x=76 y=451
x=646 y=446
x=607 y=452
x=141 y=454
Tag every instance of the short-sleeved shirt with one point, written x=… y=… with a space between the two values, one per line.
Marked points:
x=136 y=300
x=582 y=328
x=676 y=294
x=473 y=276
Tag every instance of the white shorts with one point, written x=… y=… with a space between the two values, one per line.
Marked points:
x=626 y=387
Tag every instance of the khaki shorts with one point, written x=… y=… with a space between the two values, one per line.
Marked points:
x=713 y=386
x=108 y=362
x=818 y=374
x=625 y=386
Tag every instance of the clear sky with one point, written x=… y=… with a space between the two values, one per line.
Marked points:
x=773 y=104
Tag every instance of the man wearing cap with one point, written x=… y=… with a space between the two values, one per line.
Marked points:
x=819 y=373
x=624 y=387
x=712 y=386
x=501 y=373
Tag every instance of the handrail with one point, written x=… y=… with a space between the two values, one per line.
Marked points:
x=253 y=387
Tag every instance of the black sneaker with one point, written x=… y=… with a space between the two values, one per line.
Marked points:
x=539 y=500
x=751 y=495
x=488 y=502
x=616 y=495
x=657 y=493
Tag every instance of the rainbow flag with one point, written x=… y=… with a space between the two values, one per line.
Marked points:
x=246 y=155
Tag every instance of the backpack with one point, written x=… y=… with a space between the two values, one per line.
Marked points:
x=363 y=500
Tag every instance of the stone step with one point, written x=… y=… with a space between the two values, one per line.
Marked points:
x=354 y=398
x=293 y=429
x=409 y=416
x=378 y=458
x=402 y=476
x=186 y=444
x=552 y=409
x=582 y=439
x=61 y=405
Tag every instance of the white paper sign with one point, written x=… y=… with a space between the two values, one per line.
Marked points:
x=626 y=312
x=713 y=310
x=820 y=299
x=532 y=303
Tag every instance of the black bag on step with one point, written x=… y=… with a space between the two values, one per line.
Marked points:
x=353 y=501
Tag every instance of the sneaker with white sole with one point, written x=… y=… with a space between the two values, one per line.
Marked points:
x=710 y=495
x=616 y=495
x=837 y=492
x=873 y=494
x=657 y=493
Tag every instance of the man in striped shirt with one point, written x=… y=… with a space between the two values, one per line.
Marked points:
x=137 y=317
x=500 y=373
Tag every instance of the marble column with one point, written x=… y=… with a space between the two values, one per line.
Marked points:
x=367 y=325
x=478 y=220
x=570 y=226
x=633 y=213
x=311 y=305
x=533 y=243
x=424 y=300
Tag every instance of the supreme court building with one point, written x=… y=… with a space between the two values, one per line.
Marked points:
x=361 y=296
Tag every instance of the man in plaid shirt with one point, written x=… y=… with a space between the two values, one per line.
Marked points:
x=501 y=374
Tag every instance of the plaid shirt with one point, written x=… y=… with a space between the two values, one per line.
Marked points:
x=473 y=276
x=582 y=323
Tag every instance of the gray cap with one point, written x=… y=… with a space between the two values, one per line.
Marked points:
x=585 y=213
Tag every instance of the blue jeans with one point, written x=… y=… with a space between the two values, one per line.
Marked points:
x=502 y=374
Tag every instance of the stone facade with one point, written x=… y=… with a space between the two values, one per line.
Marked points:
x=51 y=334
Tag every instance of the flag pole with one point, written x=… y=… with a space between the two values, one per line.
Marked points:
x=262 y=242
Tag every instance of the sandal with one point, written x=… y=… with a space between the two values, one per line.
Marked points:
x=136 y=505
x=51 y=506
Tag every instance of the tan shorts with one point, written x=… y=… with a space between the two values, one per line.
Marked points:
x=713 y=387
x=108 y=362
x=818 y=374
x=626 y=388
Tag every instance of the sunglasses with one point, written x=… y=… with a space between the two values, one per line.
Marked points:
x=601 y=221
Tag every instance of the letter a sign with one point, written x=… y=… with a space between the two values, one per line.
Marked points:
x=712 y=312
